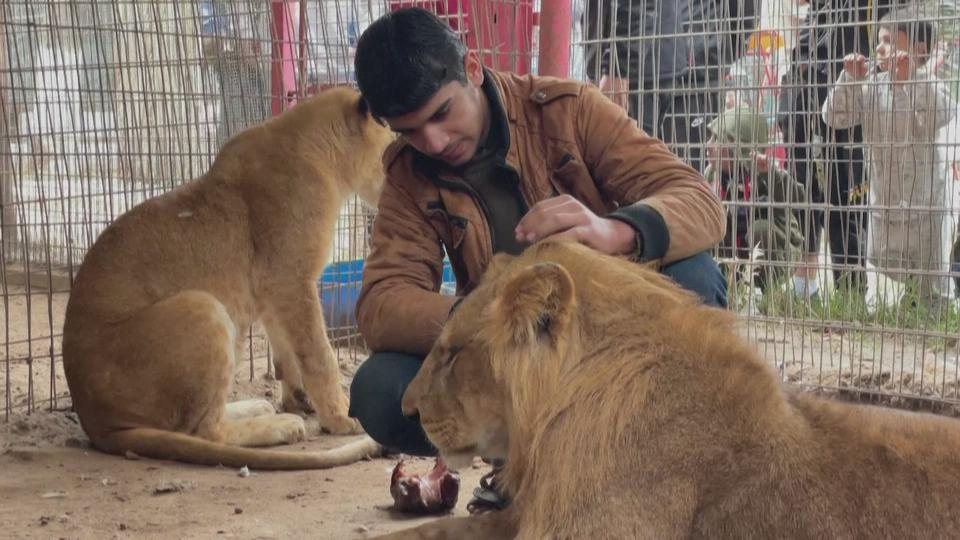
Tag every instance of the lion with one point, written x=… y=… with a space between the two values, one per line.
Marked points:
x=624 y=408
x=156 y=313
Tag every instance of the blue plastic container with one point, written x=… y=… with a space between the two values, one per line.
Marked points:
x=339 y=288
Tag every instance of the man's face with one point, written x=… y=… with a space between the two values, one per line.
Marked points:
x=451 y=125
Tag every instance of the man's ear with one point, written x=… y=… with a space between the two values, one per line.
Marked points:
x=536 y=305
x=473 y=67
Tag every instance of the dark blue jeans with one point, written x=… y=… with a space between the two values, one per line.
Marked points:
x=380 y=382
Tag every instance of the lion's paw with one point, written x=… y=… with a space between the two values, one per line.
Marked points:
x=296 y=401
x=340 y=425
x=289 y=428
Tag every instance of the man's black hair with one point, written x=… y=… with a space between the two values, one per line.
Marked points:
x=403 y=59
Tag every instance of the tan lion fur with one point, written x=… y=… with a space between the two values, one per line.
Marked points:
x=625 y=409
x=157 y=312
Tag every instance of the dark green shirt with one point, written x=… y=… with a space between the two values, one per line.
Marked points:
x=495 y=184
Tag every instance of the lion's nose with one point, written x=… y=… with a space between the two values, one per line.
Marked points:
x=409 y=407
x=411 y=412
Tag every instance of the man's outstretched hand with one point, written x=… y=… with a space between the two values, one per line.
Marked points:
x=565 y=218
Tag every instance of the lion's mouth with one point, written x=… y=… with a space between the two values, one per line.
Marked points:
x=461 y=459
x=446 y=437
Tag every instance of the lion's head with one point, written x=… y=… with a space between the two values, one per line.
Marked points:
x=349 y=130
x=508 y=344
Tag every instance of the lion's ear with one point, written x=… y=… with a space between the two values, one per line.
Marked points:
x=536 y=304
x=363 y=108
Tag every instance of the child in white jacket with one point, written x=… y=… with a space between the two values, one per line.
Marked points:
x=900 y=106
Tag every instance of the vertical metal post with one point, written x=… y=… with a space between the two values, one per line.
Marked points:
x=283 y=68
x=556 y=19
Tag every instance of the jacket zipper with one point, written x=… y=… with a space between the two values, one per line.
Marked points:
x=477 y=200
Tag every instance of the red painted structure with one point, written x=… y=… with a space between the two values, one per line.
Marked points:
x=504 y=32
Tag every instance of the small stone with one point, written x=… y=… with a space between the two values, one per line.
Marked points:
x=237 y=510
x=328 y=479
x=244 y=472
x=362 y=529
x=53 y=495
x=122 y=526
x=171 y=487
x=131 y=455
x=73 y=442
x=44 y=520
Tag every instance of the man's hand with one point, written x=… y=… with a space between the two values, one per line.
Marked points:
x=566 y=218
x=616 y=89
x=856 y=66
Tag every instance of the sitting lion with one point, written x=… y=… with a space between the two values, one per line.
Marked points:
x=157 y=312
x=625 y=409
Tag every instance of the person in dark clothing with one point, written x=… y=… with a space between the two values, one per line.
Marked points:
x=490 y=162
x=829 y=161
x=665 y=62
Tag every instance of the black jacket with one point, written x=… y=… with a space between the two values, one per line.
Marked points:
x=663 y=40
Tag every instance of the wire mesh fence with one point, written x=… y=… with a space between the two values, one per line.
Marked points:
x=841 y=188
x=108 y=103
x=841 y=251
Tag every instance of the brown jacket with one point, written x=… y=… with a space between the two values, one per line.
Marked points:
x=565 y=137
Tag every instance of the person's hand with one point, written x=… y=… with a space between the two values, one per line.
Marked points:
x=616 y=88
x=902 y=66
x=856 y=66
x=730 y=100
x=762 y=162
x=566 y=218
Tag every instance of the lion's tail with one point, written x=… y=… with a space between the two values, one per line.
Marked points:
x=161 y=444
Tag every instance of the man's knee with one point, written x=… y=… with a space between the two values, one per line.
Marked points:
x=700 y=274
x=375 y=397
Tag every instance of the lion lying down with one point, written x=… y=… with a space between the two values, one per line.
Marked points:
x=156 y=315
x=625 y=409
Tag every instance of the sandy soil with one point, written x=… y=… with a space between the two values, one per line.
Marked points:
x=54 y=486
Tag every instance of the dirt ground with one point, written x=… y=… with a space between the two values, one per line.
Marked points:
x=53 y=485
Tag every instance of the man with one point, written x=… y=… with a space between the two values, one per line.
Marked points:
x=740 y=171
x=491 y=162
x=666 y=61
